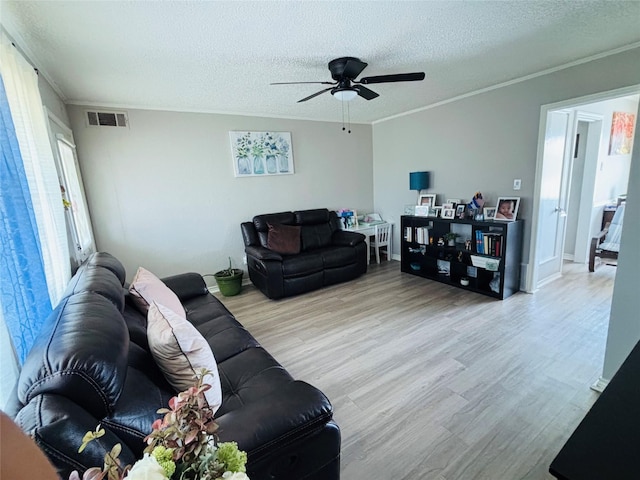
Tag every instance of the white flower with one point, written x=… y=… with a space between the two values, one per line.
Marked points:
x=147 y=468
x=235 y=476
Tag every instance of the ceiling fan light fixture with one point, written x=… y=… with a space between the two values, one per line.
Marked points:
x=345 y=95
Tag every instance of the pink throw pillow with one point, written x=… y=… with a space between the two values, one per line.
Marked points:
x=146 y=288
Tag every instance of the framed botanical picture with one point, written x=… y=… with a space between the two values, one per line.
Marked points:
x=460 y=211
x=448 y=213
x=489 y=213
x=409 y=209
x=261 y=153
x=507 y=208
x=435 y=211
x=427 y=199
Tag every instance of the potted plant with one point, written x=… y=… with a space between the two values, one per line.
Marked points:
x=229 y=280
x=451 y=238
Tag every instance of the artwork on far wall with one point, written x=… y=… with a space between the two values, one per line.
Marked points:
x=621 y=139
x=258 y=154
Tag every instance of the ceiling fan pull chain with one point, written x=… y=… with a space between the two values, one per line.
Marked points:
x=349 y=117
x=342 y=102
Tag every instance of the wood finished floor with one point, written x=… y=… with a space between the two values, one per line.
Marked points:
x=430 y=381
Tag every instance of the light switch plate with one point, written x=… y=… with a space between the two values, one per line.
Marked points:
x=517 y=183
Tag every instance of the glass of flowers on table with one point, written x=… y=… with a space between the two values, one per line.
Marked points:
x=182 y=446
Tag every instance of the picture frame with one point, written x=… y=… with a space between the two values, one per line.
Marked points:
x=410 y=209
x=427 y=199
x=448 y=213
x=507 y=209
x=455 y=201
x=449 y=205
x=435 y=211
x=421 y=210
x=261 y=154
x=460 y=211
x=489 y=213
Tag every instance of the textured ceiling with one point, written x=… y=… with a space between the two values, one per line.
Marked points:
x=221 y=56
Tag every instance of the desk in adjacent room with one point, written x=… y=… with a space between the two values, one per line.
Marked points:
x=370 y=230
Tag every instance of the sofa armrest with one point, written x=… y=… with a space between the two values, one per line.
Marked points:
x=346 y=239
x=289 y=413
x=186 y=285
x=262 y=253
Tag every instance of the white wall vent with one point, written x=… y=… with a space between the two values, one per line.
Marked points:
x=107 y=119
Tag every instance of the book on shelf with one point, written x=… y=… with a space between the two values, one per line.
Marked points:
x=422 y=235
x=417 y=234
x=489 y=243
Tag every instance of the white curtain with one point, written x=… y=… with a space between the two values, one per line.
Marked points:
x=29 y=118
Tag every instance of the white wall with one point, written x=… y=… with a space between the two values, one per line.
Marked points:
x=483 y=142
x=162 y=193
x=624 y=322
x=613 y=170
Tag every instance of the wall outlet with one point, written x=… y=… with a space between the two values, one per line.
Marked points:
x=517 y=183
x=244 y=259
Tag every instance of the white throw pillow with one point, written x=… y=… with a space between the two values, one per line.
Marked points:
x=180 y=351
x=146 y=288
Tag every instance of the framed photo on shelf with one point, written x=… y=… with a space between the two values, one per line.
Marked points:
x=427 y=199
x=409 y=209
x=507 y=208
x=449 y=205
x=421 y=210
x=489 y=213
x=455 y=201
x=448 y=212
x=460 y=211
x=435 y=211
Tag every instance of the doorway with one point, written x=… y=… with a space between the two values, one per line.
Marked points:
x=570 y=193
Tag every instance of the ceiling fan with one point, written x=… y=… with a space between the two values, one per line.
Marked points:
x=344 y=71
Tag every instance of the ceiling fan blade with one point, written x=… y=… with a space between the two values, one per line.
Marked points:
x=315 y=94
x=400 y=77
x=353 y=68
x=365 y=93
x=296 y=83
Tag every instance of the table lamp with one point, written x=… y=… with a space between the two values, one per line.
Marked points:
x=419 y=181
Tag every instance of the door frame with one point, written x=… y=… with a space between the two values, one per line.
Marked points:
x=531 y=283
x=585 y=209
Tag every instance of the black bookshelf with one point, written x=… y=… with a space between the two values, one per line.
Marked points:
x=486 y=255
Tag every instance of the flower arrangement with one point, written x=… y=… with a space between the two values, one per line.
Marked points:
x=243 y=146
x=181 y=446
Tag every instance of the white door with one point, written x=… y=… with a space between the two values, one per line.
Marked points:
x=553 y=197
x=80 y=234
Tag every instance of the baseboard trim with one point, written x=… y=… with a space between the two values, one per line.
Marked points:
x=600 y=385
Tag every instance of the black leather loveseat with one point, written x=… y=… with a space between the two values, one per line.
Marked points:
x=91 y=365
x=325 y=254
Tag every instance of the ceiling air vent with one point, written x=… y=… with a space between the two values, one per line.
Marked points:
x=107 y=119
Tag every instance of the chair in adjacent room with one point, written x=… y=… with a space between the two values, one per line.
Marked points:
x=607 y=243
x=381 y=240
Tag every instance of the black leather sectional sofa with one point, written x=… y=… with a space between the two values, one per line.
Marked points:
x=91 y=365
x=327 y=255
